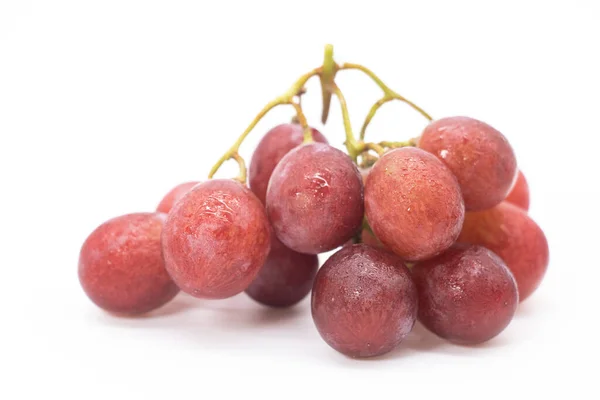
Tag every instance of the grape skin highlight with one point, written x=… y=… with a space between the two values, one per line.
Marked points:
x=466 y=295
x=519 y=194
x=364 y=301
x=121 y=268
x=477 y=154
x=173 y=196
x=508 y=231
x=315 y=199
x=413 y=203
x=215 y=239
x=286 y=278
x=270 y=150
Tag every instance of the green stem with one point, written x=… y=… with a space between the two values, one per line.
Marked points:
x=286 y=98
x=327 y=79
x=352 y=145
x=242 y=165
x=371 y=114
x=395 y=145
x=385 y=88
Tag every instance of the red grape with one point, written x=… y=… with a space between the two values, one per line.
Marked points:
x=175 y=194
x=508 y=231
x=215 y=239
x=466 y=295
x=286 y=278
x=480 y=157
x=519 y=194
x=364 y=301
x=315 y=199
x=270 y=150
x=413 y=203
x=121 y=268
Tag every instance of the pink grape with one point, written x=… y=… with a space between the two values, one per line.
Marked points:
x=270 y=150
x=519 y=194
x=121 y=268
x=286 y=278
x=480 y=156
x=364 y=301
x=216 y=239
x=413 y=203
x=508 y=231
x=315 y=199
x=174 y=195
x=466 y=295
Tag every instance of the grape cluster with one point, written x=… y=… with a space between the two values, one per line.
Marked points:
x=434 y=229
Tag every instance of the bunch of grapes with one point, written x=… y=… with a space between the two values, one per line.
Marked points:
x=434 y=228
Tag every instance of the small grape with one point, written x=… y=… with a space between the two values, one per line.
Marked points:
x=286 y=278
x=270 y=150
x=121 y=268
x=175 y=194
x=215 y=239
x=508 y=231
x=315 y=199
x=466 y=295
x=413 y=203
x=364 y=301
x=481 y=158
x=519 y=194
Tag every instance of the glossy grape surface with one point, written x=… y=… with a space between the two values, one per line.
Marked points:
x=315 y=199
x=509 y=232
x=174 y=194
x=286 y=278
x=477 y=154
x=466 y=295
x=364 y=301
x=216 y=239
x=519 y=194
x=413 y=203
x=121 y=268
x=270 y=150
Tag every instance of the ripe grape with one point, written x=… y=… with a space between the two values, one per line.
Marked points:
x=519 y=194
x=315 y=199
x=215 y=239
x=413 y=203
x=466 y=295
x=481 y=158
x=286 y=278
x=270 y=150
x=508 y=231
x=175 y=194
x=121 y=268
x=364 y=301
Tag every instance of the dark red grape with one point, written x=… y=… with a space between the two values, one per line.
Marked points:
x=270 y=150
x=315 y=199
x=517 y=239
x=286 y=278
x=364 y=301
x=121 y=268
x=481 y=158
x=215 y=239
x=466 y=295
x=413 y=203
x=519 y=194
x=175 y=194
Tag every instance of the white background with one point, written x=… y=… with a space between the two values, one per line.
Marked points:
x=104 y=106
